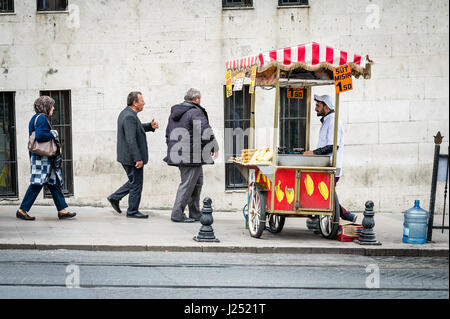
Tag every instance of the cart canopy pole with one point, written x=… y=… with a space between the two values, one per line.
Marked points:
x=275 y=122
x=252 y=121
x=336 y=126
x=308 y=118
x=275 y=138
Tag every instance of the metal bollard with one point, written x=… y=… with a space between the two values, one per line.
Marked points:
x=367 y=236
x=313 y=224
x=206 y=233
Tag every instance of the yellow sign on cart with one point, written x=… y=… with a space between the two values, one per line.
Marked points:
x=251 y=89
x=228 y=84
x=343 y=78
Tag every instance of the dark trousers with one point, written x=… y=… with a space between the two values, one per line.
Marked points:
x=344 y=213
x=188 y=192
x=133 y=188
x=34 y=190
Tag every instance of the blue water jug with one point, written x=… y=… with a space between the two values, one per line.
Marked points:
x=415 y=225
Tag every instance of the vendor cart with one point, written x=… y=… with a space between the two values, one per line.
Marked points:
x=292 y=184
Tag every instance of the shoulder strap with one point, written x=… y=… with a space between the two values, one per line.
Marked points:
x=35 y=121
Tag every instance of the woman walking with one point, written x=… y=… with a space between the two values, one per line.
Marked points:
x=44 y=170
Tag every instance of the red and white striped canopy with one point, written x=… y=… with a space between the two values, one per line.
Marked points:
x=311 y=56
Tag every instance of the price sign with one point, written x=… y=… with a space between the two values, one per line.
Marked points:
x=295 y=93
x=228 y=84
x=239 y=82
x=251 y=90
x=343 y=78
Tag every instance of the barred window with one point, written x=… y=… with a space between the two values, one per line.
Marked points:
x=62 y=122
x=292 y=2
x=51 y=5
x=6 y=6
x=237 y=3
x=293 y=117
x=237 y=121
x=8 y=156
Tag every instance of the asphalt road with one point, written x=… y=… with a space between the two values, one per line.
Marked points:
x=170 y=275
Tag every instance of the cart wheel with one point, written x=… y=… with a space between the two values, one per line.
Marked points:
x=256 y=211
x=329 y=225
x=276 y=223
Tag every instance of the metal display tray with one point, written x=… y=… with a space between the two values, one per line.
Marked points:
x=304 y=160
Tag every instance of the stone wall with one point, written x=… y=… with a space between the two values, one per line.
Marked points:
x=101 y=50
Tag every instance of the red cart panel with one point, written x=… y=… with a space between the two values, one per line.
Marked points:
x=284 y=188
x=315 y=190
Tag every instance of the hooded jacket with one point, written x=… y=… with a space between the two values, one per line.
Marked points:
x=189 y=137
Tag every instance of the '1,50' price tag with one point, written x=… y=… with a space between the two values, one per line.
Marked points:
x=343 y=78
x=294 y=93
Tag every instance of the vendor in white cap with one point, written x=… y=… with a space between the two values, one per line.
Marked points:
x=325 y=109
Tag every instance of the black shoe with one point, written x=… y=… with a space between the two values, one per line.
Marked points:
x=185 y=220
x=137 y=215
x=115 y=204
x=66 y=215
x=24 y=216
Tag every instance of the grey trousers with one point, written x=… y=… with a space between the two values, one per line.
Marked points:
x=188 y=192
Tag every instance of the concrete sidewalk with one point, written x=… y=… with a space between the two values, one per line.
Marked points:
x=102 y=229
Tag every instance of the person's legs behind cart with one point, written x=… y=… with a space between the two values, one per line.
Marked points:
x=346 y=215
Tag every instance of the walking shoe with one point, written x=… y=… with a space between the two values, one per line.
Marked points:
x=354 y=219
x=66 y=215
x=115 y=204
x=24 y=216
x=137 y=215
x=185 y=220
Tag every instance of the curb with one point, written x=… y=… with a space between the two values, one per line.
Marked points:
x=362 y=251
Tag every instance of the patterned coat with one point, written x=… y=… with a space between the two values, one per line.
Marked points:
x=41 y=168
x=42 y=172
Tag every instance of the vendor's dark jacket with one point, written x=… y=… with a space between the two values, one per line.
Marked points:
x=189 y=118
x=131 y=139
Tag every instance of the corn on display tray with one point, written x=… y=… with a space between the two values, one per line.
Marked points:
x=260 y=156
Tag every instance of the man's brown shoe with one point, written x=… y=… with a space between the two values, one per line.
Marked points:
x=24 y=216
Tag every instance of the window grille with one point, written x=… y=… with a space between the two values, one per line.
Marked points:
x=52 y=5
x=8 y=155
x=292 y=2
x=62 y=122
x=237 y=3
x=237 y=121
x=293 y=117
x=6 y=6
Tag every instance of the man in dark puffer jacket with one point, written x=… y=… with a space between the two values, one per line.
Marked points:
x=190 y=144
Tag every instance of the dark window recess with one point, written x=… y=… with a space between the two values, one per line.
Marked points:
x=62 y=122
x=237 y=3
x=237 y=123
x=6 y=5
x=8 y=156
x=292 y=2
x=293 y=117
x=51 y=5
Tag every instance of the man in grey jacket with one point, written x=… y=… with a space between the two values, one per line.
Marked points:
x=132 y=153
x=190 y=144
